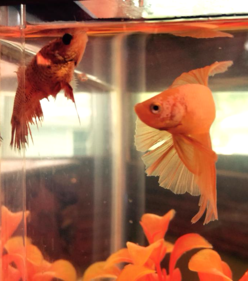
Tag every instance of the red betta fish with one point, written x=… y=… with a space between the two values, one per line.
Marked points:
x=50 y=71
x=178 y=121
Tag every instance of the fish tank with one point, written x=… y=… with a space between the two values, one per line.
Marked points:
x=80 y=197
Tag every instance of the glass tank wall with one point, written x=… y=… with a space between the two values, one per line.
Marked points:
x=77 y=192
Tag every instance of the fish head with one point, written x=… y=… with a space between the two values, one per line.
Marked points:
x=186 y=109
x=69 y=47
x=164 y=111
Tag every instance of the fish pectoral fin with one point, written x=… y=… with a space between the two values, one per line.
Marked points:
x=163 y=160
x=42 y=61
x=200 y=75
x=69 y=94
x=145 y=136
x=68 y=91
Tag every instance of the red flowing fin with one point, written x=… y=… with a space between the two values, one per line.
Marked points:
x=200 y=75
x=164 y=161
x=21 y=126
x=25 y=112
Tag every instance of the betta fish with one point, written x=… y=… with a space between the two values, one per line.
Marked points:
x=50 y=71
x=173 y=129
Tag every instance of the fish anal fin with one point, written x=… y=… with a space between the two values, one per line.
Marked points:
x=42 y=61
x=200 y=75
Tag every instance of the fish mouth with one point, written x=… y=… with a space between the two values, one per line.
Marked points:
x=140 y=109
x=144 y=114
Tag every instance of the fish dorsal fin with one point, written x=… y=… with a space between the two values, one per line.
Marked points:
x=164 y=160
x=200 y=75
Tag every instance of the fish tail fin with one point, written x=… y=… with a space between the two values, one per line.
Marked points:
x=20 y=122
x=19 y=133
x=197 y=155
x=211 y=214
x=200 y=75
x=207 y=183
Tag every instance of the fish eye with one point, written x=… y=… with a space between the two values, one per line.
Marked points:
x=67 y=39
x=155 y=108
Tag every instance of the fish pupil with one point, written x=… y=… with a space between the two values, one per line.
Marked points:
x=67 y=38
x=155 y=108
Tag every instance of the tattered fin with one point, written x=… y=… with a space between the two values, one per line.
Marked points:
x=145 y=136
x=74 y=82
x=200 y=75
x=21 y=126
x=19 y=135
x=69 y=94
x=164 y=162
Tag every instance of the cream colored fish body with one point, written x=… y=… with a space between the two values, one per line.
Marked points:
x=50 y=71
x=178 y=121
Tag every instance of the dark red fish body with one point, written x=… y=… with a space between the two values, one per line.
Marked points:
x=50 y=71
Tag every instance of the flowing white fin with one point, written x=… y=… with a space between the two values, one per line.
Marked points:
x=164 y=160
x=145 y=136
x=200 y=75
